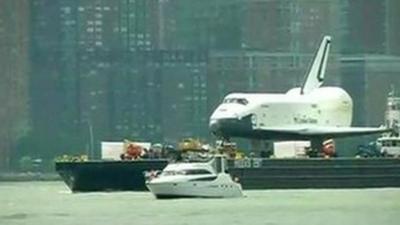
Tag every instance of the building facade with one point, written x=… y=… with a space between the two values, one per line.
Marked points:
x=14 y=45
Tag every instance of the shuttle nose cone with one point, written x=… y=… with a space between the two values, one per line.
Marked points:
x=214 y=126
x=230 y=127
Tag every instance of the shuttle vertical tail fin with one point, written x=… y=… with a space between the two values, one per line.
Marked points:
x=316 y=73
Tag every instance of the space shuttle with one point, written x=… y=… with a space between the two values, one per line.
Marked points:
x=309 y=112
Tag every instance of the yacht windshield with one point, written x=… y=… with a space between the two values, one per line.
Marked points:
x=185 y=172
x=173 y=172
x=197 y=172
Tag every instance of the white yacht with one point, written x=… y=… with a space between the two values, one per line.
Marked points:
x=196 y=179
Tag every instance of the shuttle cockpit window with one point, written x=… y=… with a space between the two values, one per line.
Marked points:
x=241 y=101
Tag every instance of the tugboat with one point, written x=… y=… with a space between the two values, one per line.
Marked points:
x=389 y=144
x=195 y=179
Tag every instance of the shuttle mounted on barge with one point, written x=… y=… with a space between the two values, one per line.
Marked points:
x=308 y=113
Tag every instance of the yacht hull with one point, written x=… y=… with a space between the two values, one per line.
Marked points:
x=195 y=190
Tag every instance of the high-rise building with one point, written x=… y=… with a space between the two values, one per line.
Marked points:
x=79 y=48
x=179 y=83
x=14 y=43
x=106 y=78
x=201 y=25
x=53 y=77
x=288 y=26
x=392 y=27
x=364 y=27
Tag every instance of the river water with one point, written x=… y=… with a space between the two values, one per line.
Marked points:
x=52 y=203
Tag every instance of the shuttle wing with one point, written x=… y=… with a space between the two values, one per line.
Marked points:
x=328 y=132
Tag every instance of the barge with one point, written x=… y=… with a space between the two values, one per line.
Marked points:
x=253 y=173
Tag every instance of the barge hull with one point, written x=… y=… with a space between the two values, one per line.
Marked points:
x=317 y=173
x=252 y=173
x=107 y=175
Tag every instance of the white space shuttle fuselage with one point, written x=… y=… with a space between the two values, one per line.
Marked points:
x=307 y=112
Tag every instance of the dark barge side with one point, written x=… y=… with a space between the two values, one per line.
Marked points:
x=107 y=175
x=317 y=173
x=254 y=173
